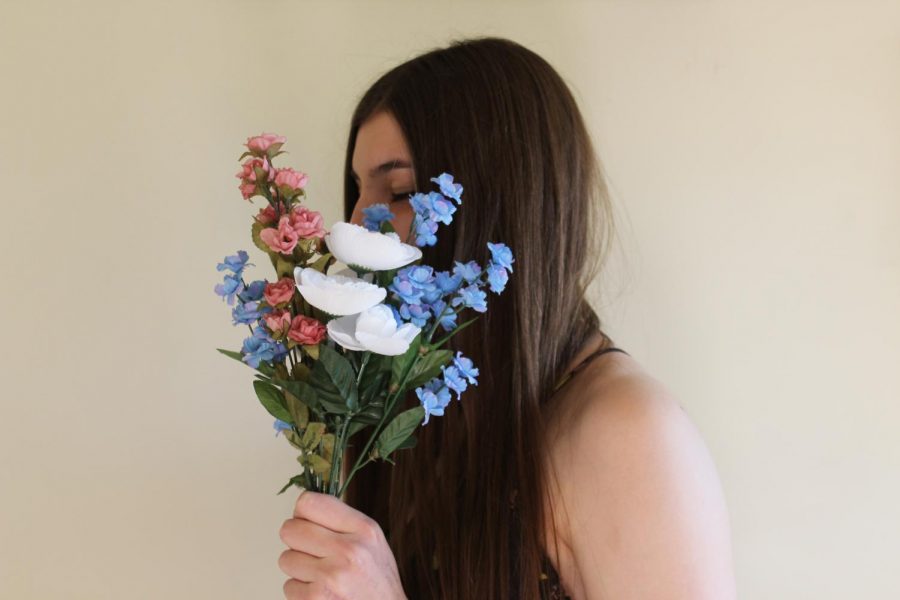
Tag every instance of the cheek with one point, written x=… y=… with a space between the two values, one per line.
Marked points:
x=403 y=218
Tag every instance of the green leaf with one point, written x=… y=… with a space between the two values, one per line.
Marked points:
x=394 y=435
x=322 y=263
x=334 y=381
x=313 y=435
x=283 y=267
x=298 y=410
x=293 y=439
x=374 y=377
x=402 y=361
x=427 y=367
x=232 y=354
x=328 y=441
x=266 y=369
x=295 y=480
x=255 y=230
x=320 y=466
x=409 y=442
x=271 y=398
x=301 y=390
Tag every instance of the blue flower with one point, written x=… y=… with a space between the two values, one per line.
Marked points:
x=425 y=230
x=416 y=314
x=254 y=291
x=248 y=313
x=497 y=277
x=406 y=290
x=501 y=255
x=281 y=426
x=466 y=368
x=471 y=296
x=434 y=397
x=446 y=282
x=441 y=209
x=235 y=263
x=448 y=321
x=375 y=215
x=469 y=271
x=448 y=188
x=454 y=380
x=261 y=347
x=229 y=288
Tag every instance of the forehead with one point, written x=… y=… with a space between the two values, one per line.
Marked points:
x=379 y=139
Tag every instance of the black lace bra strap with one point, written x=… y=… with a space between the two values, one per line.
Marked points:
x=582 y=364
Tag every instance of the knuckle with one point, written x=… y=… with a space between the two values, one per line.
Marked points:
x=370 y=529
x=285 y=531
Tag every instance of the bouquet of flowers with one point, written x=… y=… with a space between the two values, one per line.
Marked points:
x=335 y=352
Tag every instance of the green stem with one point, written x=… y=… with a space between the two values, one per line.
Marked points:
x=388 y=408
x=337 y=458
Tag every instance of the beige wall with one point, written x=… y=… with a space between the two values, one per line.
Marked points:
x=753 y=152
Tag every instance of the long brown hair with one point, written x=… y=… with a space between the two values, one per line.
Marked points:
x=503 y=122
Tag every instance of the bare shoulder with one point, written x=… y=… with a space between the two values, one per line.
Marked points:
x=642 y=510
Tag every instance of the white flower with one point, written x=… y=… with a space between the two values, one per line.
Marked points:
x=357 y=246
x=337 y=294
x=373 y=329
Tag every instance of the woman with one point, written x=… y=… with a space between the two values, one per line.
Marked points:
x=567 y=471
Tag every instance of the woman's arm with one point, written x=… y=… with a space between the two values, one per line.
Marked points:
x=646 y=515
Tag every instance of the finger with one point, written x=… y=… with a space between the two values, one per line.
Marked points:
x=296 y=590
x=307 y=536
x=299 y=565
x=330 y=512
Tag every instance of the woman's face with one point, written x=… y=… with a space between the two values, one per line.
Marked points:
x=382 y=168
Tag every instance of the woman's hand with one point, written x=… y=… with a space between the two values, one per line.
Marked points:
x=336 y=552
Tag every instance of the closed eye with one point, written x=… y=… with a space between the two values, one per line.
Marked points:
x=402 y=196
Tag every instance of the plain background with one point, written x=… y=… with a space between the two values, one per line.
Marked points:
x=752 y=149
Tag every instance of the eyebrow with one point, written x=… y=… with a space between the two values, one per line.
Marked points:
x=384 y=168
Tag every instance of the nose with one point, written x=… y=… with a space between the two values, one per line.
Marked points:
x=357 y=217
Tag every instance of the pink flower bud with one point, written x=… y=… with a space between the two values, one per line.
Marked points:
x=307 y=223
x=306 y=330
x=290 y=179
x=266 y=216
x=283 y=239
x=278 y=322
x=261 y=144
x=280 y=292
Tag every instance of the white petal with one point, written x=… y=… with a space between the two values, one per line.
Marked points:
x=341 y=331
x=337 y=294
x=355 y=245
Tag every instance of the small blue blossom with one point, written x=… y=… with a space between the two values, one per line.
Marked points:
x=254 y=291
x=235 y=263
x=229 y=288
x=501 y=255
x=260 y=347
x=497 y=277
x=416 y=314
x=448 y=320
x=425 y=231
x=465 y=367
x=446 y=282
x=471 y=296
x=406 y=290
x=434 y=397
x=448 y=187
x=248 y=313
x=375 y=215
x=441 y=209
x=281 y=426
x=454 y=380
x=469 y=271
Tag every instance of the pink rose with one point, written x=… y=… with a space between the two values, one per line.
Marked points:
x=278 y=322
x=248 y=178
x=306 y=330
x=307 y=223
x=282 y=239
x=280 y=292
x=260 y=144
x=266 y=216
x=290 y=178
